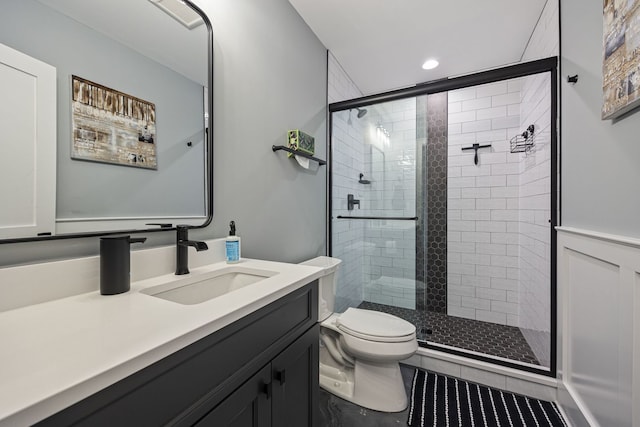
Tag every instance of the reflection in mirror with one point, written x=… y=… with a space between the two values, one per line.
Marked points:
x=137 y=53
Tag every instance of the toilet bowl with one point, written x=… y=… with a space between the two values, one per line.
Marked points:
x=360 y=349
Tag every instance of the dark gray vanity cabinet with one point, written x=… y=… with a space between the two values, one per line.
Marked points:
x=283 y=393
x=261 y=370
x=249 y=405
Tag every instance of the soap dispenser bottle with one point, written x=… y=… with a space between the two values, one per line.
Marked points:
x=232 y=245
x=115 y=263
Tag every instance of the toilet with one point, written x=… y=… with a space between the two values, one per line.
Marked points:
x=360 y=349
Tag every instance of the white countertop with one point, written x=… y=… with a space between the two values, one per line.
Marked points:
x=56 y=353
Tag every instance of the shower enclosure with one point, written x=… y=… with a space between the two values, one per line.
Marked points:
x=443 y=199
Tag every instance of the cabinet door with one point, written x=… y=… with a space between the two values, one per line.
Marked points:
x=248 y=406
x=295 y=382
x=27 y=145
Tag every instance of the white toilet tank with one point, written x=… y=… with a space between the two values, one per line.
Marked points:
x=326 y=284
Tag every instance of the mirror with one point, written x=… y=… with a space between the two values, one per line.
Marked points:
x=131 y=89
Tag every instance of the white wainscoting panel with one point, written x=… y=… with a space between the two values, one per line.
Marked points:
x=599 y=326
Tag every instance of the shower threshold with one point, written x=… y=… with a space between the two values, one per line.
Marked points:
x=502 y=341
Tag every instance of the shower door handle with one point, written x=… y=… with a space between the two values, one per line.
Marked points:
x=392 y=218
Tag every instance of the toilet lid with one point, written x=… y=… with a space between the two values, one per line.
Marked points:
x=375 y=326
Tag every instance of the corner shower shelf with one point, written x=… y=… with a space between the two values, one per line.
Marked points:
x=524 y=142
x=298 y=153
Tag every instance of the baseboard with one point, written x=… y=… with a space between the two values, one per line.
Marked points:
x=572 y=407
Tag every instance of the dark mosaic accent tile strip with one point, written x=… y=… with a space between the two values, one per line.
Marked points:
x=467 y=334
x=436 y=203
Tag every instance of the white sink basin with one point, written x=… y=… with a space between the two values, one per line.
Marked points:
x=203 y=287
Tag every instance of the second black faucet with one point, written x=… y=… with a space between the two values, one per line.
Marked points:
x=182 y=246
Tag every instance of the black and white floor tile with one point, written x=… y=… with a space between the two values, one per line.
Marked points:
x=467 y=334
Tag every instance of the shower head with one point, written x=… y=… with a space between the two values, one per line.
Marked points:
x=361 y=112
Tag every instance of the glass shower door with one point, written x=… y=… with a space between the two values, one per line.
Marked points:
x=373 y=206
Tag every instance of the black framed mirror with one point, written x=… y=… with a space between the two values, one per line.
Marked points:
x=130 y=149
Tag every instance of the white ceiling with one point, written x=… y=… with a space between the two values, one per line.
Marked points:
x=382 y=44
x=144 y=28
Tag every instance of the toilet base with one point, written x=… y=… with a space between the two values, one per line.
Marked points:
x=377 y=386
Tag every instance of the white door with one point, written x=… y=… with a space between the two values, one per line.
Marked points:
x=27 y=145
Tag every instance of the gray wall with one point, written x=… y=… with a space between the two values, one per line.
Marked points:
x=89 y=189
x=269 y=76
x=600 y=158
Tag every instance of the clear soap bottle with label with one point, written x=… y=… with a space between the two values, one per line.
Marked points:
x=232 y=245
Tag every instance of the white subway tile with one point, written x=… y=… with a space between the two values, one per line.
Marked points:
x=491 y=249
x=475 y=281
x=499 y=204
x=476 y=104
x=461 y=268
x=464 y=226
x=491 y=89
x=478 y=304
x=491 y=316
x=466 y=313
x=476 y=237
x=505 y=284
x=505 y=122
x=491 y=226
x=461 y=95
x=505 y=307
x=476 y=259
x=491 y=294
x=475 y=193
x=478 y=125
x=460 y=247
x=462 y=117
x=491 y=113
x=461 y=204
x=454 y=107
x=491 y=271
x=476 y=215
x=505 y=99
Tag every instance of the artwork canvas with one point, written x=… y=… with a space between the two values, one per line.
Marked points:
x=621 y=54
x=109 y=126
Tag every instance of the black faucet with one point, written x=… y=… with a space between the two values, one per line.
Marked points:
x=351 y=202
x=182 y=246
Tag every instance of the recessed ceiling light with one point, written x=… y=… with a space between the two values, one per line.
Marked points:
x=430 y=64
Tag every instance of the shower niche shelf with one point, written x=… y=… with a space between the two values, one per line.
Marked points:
x=298 y=153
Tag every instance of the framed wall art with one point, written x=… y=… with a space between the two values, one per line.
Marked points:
x=621 y=57
x=109 y=126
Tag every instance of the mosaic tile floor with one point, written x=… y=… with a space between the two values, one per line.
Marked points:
x=482 y=337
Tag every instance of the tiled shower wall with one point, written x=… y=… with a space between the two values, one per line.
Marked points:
x=482 y=252
x=347 y=158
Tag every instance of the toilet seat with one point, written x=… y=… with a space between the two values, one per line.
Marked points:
x=375 y=326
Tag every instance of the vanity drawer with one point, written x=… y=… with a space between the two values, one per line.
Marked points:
x=202 y=374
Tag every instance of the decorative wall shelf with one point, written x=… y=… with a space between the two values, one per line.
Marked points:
x=298 y=153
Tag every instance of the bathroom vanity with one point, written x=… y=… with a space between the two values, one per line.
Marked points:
x=248 y=356
x=260 y=370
